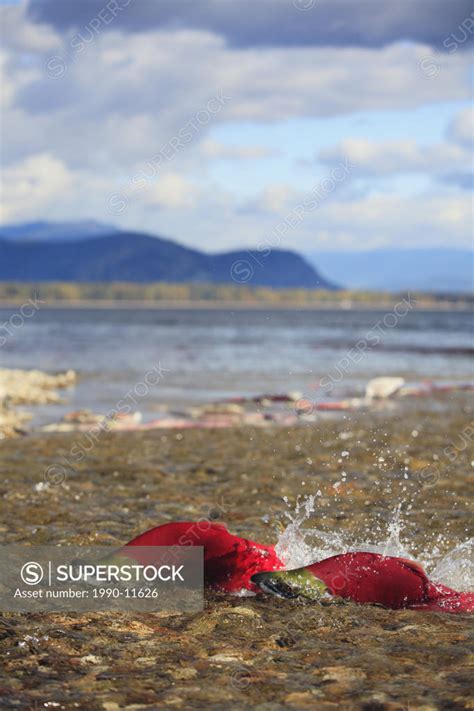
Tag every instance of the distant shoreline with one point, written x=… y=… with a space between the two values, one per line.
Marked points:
x=164 y=295
x=346 y=305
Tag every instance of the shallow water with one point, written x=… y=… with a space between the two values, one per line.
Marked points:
x=212 y=354
x=299 y=545
x=243 y=652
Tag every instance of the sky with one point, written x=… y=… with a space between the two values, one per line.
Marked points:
x=305 y=124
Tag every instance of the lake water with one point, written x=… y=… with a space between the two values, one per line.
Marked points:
x=209 y=354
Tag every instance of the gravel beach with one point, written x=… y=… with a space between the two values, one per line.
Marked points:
x=247 y=651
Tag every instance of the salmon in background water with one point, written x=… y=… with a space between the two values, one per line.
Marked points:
x=233 y=564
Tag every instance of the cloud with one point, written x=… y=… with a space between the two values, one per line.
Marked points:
x=172 y=191
x=36 y=183
x=393 y=219
x=123 y=98
x=380 y=220
x=279 y=23
x=448 y=161
x=213 y=219
x=462 y=127
x=274 y=199
x=464 y=181
x=80 y=127
x=384 y=158
x=21 y=34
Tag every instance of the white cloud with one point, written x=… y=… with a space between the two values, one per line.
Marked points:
x=361 y=222
x=32 y=186
x=216 y=222
x=273 y=199
x=171 y=191
x=71 y=140
x=390 y=219
x=19 y=33
x=122 y=96
x=390 y=157
x=213 y=220
x=462 y=128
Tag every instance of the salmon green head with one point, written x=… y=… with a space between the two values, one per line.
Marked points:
x=291 y=584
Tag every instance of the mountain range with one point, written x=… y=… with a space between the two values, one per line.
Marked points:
x=136 y=257
x=92 y=251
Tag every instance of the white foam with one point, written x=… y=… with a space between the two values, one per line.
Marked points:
x=299 y=545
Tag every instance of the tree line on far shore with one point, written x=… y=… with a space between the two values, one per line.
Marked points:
x=197 y=292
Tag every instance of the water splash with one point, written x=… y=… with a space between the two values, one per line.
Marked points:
x=299 y=545
x=393 y=545
x=456 y=569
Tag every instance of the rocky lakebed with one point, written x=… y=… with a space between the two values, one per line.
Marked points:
x=400 y=480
